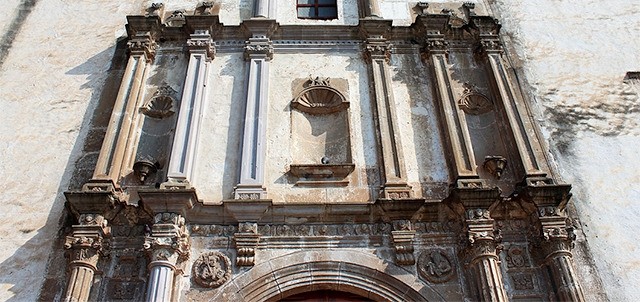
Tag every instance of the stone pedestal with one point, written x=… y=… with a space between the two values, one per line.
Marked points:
x=194 y=95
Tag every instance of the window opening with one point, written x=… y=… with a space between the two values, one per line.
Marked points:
x=317 y=9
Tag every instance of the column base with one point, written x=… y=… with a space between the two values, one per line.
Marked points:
x=250 y=192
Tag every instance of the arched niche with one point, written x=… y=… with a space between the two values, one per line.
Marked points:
x=320 y=134
x=358 y=273
x=484 y=126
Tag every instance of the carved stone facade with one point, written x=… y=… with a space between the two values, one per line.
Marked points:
x=260 y=160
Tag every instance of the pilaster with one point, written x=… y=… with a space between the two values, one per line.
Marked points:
x=377 y=51
x=264 y=9
x=118 y=147
x=458 y=140
x=168 y=244
x=370 y=9
x=258 y=54
x=523 y=135
x=84 y=248
x=183 y=153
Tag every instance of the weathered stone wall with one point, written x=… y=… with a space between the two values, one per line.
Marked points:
x=60 y=68
x=572 y=57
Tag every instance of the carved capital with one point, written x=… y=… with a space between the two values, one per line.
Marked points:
x=143 y=45
x=482 y=238
x=258 y=47
x=86 y=243
x=436 y=45
x=169 y=240
x=377 y=49
x=201 y=41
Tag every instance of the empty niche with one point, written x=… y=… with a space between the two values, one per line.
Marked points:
x=485 y=134
x=156 y=135
x=321 y=144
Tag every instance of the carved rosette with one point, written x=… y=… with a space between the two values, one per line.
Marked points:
x=435 y=266
x=169 y=240
x=211 y=269
x=377 y=49
x=143 y=45
x=259 y=47
x=201 y=41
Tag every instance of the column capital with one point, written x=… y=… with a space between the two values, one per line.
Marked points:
x=86 y=242
x=259 y=47
x=200 y=42
x=142 y=44
x=168 y=242
x=377 y=49
x=436 y=44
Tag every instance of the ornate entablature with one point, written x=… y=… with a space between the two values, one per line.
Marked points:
x=345 y=189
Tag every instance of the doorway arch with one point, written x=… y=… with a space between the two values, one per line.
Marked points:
x=355 y=272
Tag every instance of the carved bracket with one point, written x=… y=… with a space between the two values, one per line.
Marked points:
x=402 y=236
x=246 y=242
x=258 y=47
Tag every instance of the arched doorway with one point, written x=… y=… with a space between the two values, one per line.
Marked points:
x=325 y=296
x=326 y=274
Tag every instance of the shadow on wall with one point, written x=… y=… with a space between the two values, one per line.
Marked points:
x=78 y=170
x=24 y=10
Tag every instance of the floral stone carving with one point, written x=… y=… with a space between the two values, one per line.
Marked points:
x=435 y=266
x=212 y=269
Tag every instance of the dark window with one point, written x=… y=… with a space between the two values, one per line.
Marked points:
x=317 y=9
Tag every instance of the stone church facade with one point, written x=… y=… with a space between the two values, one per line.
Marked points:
x=271 y=151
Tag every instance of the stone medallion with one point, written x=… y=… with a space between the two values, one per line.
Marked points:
x=212 y=269
x=435 y=266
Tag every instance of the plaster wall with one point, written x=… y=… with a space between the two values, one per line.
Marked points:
x=572 y=57
x=52 y=76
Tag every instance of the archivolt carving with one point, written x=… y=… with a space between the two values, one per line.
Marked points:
x=320 y=98
x=212 y=269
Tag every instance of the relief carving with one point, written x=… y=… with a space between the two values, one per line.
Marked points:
x=162 y=104
x=211 y=269
x=516 y=257
x=522 y=281
x=473 y=102
x=435 y=266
